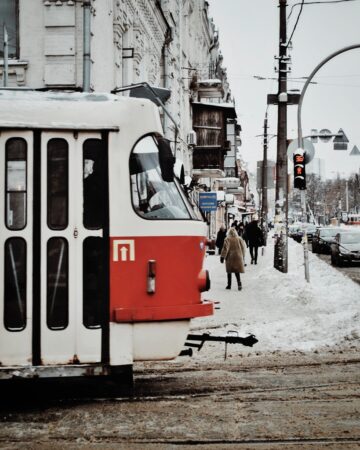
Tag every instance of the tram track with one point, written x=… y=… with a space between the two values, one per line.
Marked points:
x=257 y=442
x=102 y=442
x=267 y=405
x=244 y=367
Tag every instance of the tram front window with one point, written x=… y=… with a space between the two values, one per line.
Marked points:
x=153 y=198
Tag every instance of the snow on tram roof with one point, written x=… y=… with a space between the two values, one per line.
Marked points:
x=30 y=95
x=51 y=109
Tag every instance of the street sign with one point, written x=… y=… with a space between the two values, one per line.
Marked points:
x=340 y=142
x=355 y=151
x=325 y=135
x=308 y=148
x=208 y=201
x=314 y=135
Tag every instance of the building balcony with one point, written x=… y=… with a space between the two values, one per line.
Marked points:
x=207 y=173
x=208 y=162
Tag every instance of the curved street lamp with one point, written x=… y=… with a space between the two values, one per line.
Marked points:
x=311 y=76
x=300 y=138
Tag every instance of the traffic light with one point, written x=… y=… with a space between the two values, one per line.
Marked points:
x=299 y=170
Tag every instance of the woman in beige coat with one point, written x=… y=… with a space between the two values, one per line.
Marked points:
x=233 y=253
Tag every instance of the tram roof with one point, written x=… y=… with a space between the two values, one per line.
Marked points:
x=71 y=110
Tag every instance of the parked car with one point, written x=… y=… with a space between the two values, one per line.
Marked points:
x=298 y=233
x=294 y=229
x=310 y=231
x=323 y=238
x=345 y=249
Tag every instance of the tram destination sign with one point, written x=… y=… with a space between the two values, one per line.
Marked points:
x=208 y=201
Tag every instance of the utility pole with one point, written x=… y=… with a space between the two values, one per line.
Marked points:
x=264 y=180
x=281 y=191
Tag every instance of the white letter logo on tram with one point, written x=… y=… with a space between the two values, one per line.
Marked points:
x=123 y=246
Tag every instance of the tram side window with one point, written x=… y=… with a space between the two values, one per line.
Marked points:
x=93 y=281
x=152 y=197
x=57 y=284
x=15 y=284
x=57 y=184
x=94 y=184
x=16 y=183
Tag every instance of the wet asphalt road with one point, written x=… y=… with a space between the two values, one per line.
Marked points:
x=284 y=401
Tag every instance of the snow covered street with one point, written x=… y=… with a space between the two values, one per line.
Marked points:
x=284 y=311
x=298 y=387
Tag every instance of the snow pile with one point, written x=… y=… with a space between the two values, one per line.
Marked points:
x=283 y=310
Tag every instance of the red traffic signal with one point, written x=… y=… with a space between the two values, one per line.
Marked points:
x=299 y=171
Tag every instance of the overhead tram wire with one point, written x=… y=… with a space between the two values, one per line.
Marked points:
x=297 y=21
x=292 y=80
x=303 y=80
x=318 y=3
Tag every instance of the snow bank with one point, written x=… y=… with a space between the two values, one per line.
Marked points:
x=283 y=310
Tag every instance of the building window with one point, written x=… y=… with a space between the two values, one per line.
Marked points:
x=9 y=14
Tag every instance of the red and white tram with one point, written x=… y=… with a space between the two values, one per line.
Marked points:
x=352 y=219
x=101 y=251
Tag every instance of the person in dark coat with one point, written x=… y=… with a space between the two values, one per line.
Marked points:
x=241 y=229
x=220 y=238
x=255 y=239
x=233 y=254
x=244 y=236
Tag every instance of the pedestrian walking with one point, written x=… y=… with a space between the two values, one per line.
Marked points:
x=254 y=237
x=233 y=254
x=220 y=238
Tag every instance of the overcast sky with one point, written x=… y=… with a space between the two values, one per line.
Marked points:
x=249 y=36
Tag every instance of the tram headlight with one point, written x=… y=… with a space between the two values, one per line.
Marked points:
x=203 y=280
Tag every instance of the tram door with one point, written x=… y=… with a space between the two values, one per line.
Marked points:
x=16 y=238
x=53 y=252
x=72 y=221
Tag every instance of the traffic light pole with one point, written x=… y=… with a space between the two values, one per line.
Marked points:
x=300 y=137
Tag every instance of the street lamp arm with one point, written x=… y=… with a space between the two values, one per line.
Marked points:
x=311 y=76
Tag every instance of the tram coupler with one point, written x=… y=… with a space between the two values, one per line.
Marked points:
x=232 y=337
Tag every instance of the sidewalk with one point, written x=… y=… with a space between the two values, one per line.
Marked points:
x=284 y=311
